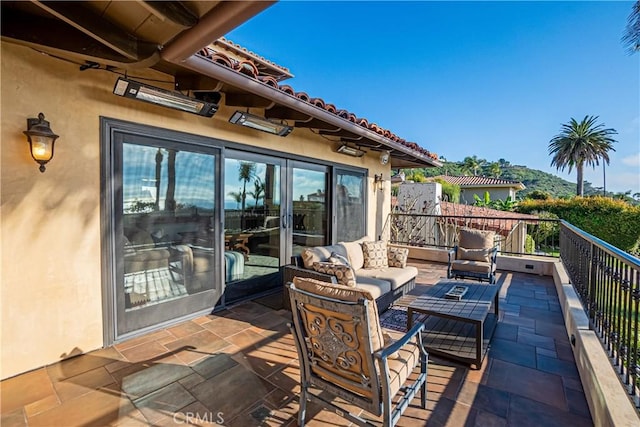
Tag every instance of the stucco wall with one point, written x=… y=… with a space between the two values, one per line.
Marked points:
x=50 y=223
x=496 y=193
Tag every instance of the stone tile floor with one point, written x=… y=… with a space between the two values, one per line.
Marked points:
x=239 y=367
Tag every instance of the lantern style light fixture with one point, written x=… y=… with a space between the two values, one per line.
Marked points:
x=384 y=157
x=41 y=140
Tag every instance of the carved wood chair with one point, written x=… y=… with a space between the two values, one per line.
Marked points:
x=342 y=352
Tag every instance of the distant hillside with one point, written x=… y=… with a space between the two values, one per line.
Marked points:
x=533 y=179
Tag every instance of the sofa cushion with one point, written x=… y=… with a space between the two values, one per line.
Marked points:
x=397 y=257
x=336 y=258
x=344 y=293
x=320 y=254
x=375 y=254
x=476 y=239
x=354 y=252
x=474 y=254
x=343 y=273
x=396 y=277
x=376 y=287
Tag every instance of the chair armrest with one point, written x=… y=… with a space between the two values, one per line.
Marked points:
x=397 y=345
x=452 y=253
x=494 y=254
x=291 y=271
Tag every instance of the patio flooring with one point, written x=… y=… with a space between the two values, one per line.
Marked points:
x=239 y=367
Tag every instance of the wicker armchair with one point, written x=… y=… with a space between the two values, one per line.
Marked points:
x=342 y=352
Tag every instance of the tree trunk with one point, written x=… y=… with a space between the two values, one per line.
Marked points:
x=170 y=201
x=580 y=183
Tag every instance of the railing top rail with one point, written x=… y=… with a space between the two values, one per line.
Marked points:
x=626 y=257
x=496 y=218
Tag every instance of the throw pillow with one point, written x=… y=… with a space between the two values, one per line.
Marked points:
x=397 y=257
x=344 y=273
x=476 y=239
x=336 y=258
x=375 y=254
x=474 y=254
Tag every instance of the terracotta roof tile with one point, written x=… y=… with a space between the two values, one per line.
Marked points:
x=251 y=70
x=502 y=222
x=247 y=51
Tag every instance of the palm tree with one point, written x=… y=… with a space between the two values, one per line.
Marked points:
x=580 y=143
x=237 y=197
x=631 y=37
x=245 y=173
x=495 y=170
x=472 y=164
x=258 y=191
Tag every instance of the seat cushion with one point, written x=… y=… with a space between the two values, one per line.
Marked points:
x=401 y=363
x=376 y=287
x=396 y=277
x=375 y=254
x=476 y=239
x=474 y=266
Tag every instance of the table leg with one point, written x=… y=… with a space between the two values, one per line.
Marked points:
x=409 y=318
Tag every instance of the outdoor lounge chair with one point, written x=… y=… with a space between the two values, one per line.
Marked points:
x=343 y=353
x=474 y=256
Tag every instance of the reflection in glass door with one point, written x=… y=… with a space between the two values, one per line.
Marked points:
x=252 y=218
x=166 y=232
x=309 y=206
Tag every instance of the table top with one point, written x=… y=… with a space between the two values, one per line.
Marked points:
x=474 y=305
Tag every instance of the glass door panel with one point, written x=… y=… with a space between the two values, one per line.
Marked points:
x=252 y=213
x=168 y=235
x=309 y=206
x=349 y=205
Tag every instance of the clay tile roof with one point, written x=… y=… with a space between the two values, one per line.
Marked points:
x=247 y=67
x=474 y=181
x=502 y=222
x=250 y=53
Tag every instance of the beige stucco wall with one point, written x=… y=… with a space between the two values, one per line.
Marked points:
x=50 y=296
x=496 y=193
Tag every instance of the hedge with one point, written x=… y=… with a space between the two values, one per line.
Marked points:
x=614 y=221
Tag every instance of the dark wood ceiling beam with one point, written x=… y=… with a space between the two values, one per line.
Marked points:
x=174 y=11
x=57 y=38
x=93 y=25
x=284 y=113
x=247 y=100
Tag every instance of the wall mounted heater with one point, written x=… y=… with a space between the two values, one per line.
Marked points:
x=154 y=95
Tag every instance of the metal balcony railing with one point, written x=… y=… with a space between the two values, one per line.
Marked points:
x=608 y=282
x=514 y=235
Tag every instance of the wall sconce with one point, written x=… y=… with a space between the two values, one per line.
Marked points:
x=41 y=140
x=260 y=123
x=384 y=157
x=378 y=182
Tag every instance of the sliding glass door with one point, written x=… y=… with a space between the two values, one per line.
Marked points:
x=167 y=235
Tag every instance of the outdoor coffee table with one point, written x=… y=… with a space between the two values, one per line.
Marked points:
x=458 y=329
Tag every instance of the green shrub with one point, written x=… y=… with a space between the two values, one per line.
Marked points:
x=450 y=192
x=529 y=244
x=613 y=221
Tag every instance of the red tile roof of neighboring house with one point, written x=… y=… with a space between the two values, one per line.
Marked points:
x=249 y=69
x=502 y=222
x=480 y=181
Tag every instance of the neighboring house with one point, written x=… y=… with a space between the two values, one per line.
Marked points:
x=148 y=214
x=470 y=186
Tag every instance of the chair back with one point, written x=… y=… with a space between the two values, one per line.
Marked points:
x=337 y=331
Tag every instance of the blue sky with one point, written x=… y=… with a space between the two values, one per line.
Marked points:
x=492 y=79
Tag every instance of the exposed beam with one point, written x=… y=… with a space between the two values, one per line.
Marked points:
x=216 y=23
x=247 y=100
x=57 y=38
x=283 y=113
x=174 y=11
x=85 y=20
